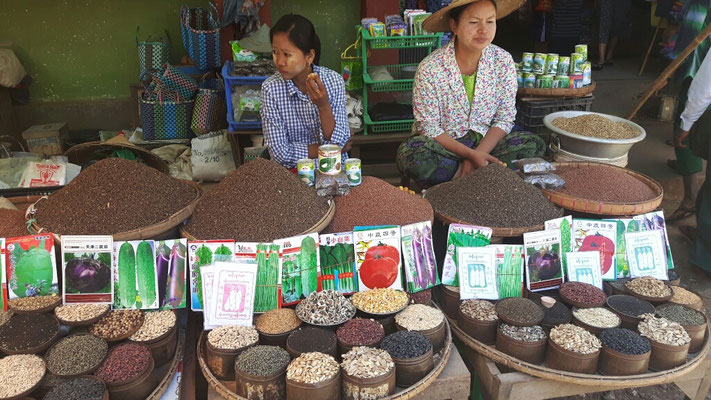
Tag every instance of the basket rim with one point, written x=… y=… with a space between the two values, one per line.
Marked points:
x=538 y=92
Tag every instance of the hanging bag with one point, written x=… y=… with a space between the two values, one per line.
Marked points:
x=210 y=113
x=352 y=66
x=177 y=81
x=152 y=55
x=201 y=36
x=165 y=119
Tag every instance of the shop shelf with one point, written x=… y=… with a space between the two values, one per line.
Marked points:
x=231 y=81
x=385 y=126
x=401 y=42
x=402 y=81
x=530 y=112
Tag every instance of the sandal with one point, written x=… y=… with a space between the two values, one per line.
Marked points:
x=672 y=164
x=597 y=67
x=689 y=232
x=669 y=142
x=681 y=213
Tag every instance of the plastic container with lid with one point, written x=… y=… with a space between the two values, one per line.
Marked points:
x=409 y=371
x=325 y=390
x=613 y=362
x=530 y=352
x=566 y=360
x=353 y=388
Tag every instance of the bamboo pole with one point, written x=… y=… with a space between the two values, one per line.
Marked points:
x=649 y=50
x=669 y=70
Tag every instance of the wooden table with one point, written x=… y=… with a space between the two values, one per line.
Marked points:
x=502 y=384
x=454 y=383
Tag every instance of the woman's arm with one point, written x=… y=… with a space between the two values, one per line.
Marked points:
x=318 y=93
x=505 y=114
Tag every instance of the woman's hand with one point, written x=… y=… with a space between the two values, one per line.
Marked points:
x=479 y=159
x=317 y=91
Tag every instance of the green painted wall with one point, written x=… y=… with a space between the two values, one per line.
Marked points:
x=334 y=21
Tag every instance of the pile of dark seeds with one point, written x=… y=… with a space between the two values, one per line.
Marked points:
x=682 y=315
x=259 y=202
x=556 y=315
x=76 y=354
x=124 y=362
x=604 y=184
x=421 y=297
x=77 y=389
x=406 y=344
x=625 y=341
x=492 y=196
x=12 y=223
x=376 y=202
x=310 y=339
x=25 y=331
x=583 y=293
x=519 y=311
x=360 y=332
x=112 y=196
x=263 y=360
x=629 y=305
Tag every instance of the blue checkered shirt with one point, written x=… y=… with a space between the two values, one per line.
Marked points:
x=290 y=120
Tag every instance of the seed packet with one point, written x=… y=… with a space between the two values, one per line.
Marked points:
x=543 y=265
x=207 y=275
x=655 y=221
x=624 y=225
x=135 y=277
x=298 y=267
x=477 y=273
x=393 y=18
x=87 y=269
x=564 y=225
x=584 y=266
x=3 y=281
x=377 y=29
x=267 y=294
x=461 y=236
x=397 y=29
x=171 y=263
x=645 y=254
x=509 y=270
x=417 y=20
x=598 y=235
x=419 y=258
x=202 y=253
x=337 y=258
x=31 y=267
x=366 y=22
x=232 y=296
x=246 y=252
x=377 y=255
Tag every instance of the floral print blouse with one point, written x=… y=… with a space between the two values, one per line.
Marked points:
x=440 y=101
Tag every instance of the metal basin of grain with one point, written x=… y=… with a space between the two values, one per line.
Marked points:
x=592 y=146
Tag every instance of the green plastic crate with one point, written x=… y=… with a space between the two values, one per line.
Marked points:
x=399 y=42
x=397 y=84
x=386 y=126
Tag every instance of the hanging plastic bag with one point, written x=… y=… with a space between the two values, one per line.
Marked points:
x=352 y=66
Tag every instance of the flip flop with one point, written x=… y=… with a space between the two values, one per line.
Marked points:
x=669 y=142
x=672 y=164
x=597 y=67
x=689 y=232
x=681 y=213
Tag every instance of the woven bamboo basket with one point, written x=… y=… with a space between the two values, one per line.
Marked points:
x=23 y=202
x=228 y=393
x=168 y=371
x=588 y=206
x=85 y=152
x=317 y=228
x=146 y=232
x=496 y=232
x=538 y=92
x=541 y=371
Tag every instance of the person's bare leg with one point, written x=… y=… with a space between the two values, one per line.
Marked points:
x=611 y=49
x=602 y=48
x=687 y=206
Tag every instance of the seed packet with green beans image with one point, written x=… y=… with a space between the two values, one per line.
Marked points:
x=171 y=269
x=298 y=267
x=31 y=266
x=202 y=253
x=337 y=259
x=418 y=257
x=266 y=294
x=509 y=270
x=87 y=269
x=461 y=236
x=135 y=280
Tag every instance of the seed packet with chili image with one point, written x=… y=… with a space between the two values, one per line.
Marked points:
x=377 y=253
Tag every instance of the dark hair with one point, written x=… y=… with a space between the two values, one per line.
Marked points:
x=455 y=13
x=301 y=32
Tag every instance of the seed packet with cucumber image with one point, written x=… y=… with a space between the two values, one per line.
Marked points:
x=377 y=254
x=477 y=273
x=135 y=279
x=655 y=221
x=564 y=225
x=298 y=267
x=87 y=269
x=509 y=270
x=204 y=253
x=337 y=258
x=31 y=267
x=418 y=257
x=624 y=225
x=171 y=269
x=598 y=235
x=461 y=236
x=232 y=298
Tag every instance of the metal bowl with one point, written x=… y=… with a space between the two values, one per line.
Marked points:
x=590 y=146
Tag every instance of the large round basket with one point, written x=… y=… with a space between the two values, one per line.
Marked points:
x=317 y=228
x=541 y=371
x=84 y=153
x=157 y=230
x=588 y=206
x=496 y=232
x=538 y=92
x=226 y=389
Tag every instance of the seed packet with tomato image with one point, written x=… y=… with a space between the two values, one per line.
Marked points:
x=418 y=257
x=598 y=235
x=377 y=253
x=31 y=266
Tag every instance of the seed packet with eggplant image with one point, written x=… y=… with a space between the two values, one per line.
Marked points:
x=232 y=296
x=655 y=221
x=543 y=265
x=87 y=269
x=377 y=254
x=171 y=269
x=298 y=267
x=337 y=258
x=564 y=225
x=598 y=235
x=135 y=277
x=418 y=257
x=204 y=253
x=461 y=236
x=477 y=273
x=509 y=270
x=31 y=266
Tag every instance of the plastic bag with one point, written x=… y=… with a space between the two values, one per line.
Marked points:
x=211 y=157
x=534 y=165
x=545 y=181
x=332 y=185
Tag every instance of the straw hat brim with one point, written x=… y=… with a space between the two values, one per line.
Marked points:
x=439 y=21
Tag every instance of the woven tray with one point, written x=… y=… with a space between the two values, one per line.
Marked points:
x=401 y=394
x=85 y=152
x=146 y=232
x=541 y=371
x=496 y=232
x=588 y=206
x=537 y=92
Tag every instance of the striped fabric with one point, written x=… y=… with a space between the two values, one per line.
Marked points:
x=567 y=21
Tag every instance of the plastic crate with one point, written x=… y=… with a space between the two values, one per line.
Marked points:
x=397 y=84
x=386 y=126
x=397 y=42
x=530 y=112
x=239 y=81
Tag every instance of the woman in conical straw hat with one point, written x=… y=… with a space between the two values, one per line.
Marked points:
x=464 y=99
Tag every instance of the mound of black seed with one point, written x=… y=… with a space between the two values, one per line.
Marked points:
x=625 y=341
x=405 y=344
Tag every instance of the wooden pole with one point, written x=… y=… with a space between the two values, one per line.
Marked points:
x=649 y=49
x=669 y=70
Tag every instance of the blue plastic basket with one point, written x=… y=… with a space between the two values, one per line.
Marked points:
x=239 y=81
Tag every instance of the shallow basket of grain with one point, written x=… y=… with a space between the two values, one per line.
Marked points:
x=594 y=139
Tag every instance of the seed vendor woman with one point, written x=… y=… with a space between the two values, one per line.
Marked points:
x=464 y=99
x=303 y=105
